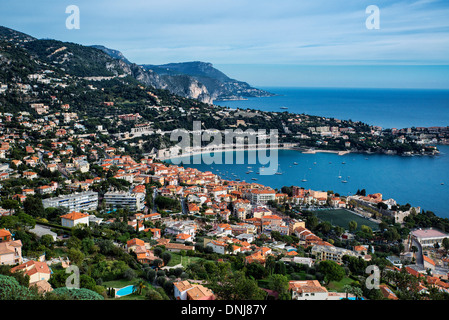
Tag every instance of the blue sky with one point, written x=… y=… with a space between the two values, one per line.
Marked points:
x=264 y=42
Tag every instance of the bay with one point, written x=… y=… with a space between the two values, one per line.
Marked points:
x=415 y=180
x=420 y=180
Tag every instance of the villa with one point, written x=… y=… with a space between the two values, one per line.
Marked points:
x=74 y=218
x=10 y=250
x=184 y=290
x=37 y=271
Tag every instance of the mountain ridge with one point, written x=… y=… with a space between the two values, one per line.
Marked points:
x=196 y=79
x=219 y=85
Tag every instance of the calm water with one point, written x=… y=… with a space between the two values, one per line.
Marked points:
x=388 y=108
x=415 y=180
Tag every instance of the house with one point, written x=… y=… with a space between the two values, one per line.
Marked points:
x=199 y=292
x=74 y=218
x=217 y=246
x=29 y=175
x=178 y=227
x=193 y=208
x=183 y=237
x=36 y=270
x=177 y=247
x=298 y=260
x=136 y=225
x=387 y=293
x=257 y=257
x=44 y=189
x=184 y=290
x=395 y=261
x=5 y=235
x=361 y=249
x=144 y=255
x=152 y=216
x=307 y=290
x=10 y=250
x=133 y=243
x=428 y=263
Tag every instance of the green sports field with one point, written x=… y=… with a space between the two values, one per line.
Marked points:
x=342 y=217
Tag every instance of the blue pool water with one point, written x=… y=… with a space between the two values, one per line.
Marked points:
x=124 y=291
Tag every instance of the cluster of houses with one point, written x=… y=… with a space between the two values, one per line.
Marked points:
x=202 y=194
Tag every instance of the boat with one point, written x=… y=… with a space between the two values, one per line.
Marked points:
x=278 y=172
x=284 y=107
x=254 y=179
x=344 y=181
x=295 y=163
x=339 y=175
x=343 y=162
x=304 y=180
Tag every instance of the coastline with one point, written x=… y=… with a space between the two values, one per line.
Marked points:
x=300 y=149
x=208 y=151
x=340 y=153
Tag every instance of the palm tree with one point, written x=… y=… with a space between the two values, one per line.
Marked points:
x=354 y=290
x=138 y=287
x=348 y=289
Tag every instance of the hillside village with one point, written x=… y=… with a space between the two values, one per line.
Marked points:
x=83 y=185
x=77 y=185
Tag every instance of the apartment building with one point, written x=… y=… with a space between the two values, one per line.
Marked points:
x=82 y=201
x=132 y=201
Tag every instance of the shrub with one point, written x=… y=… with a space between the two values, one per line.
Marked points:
x=76 y=294
x=10 y=289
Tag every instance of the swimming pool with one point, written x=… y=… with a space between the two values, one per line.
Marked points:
x=124 y=291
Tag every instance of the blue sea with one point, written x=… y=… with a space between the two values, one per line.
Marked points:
x=419 y=180
x=388 y=108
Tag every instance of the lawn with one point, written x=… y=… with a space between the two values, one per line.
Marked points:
x=342 y=217
x=176 y=259
x=120 y=283
x=338 y=286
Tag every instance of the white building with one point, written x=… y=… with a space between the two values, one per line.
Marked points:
x=74 y=202
x=308 y=290
x=262 y=196
x=177 y=227
x=74 y=218
x=217 y=246
x=428 y=237
x=133 y=201
x=322 y=252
